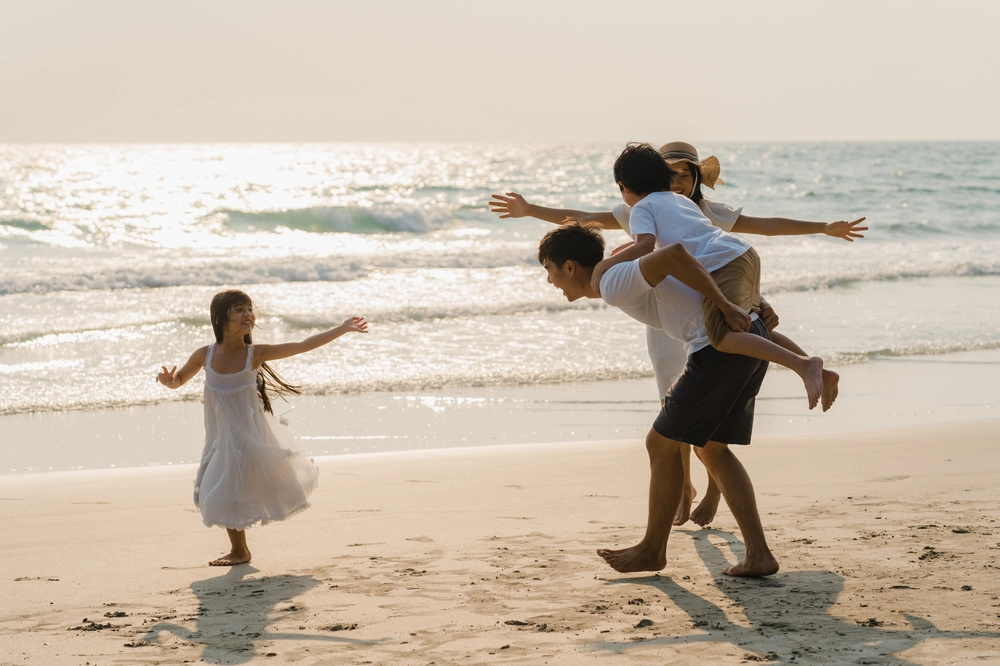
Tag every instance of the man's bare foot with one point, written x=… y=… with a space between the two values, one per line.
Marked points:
x=241 y=557
x=812 y=376
x=636 y=558
x=684 y=508
x=831 y=387
x=704 y=513
x=764 y=567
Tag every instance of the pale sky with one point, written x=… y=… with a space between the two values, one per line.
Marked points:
x=516 y=70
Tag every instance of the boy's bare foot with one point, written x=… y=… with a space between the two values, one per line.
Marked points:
x=684 y=508
x=704 y=513
x=233 y=558
x=636 y=558
x=812 y=376
x=765 y=566
x=831 y=387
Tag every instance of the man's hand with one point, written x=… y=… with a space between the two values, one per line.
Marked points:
x=846 y=230
x=622 y=247
x=769 y=317
x=511 y=205
x=736 y=318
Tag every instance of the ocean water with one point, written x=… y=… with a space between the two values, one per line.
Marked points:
x=110 y=254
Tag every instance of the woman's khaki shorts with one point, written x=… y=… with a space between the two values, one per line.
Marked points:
x=739 y=281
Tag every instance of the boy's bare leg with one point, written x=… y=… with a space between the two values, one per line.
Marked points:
x=239 y=554
x=704 y=513
x=809 y=368
x=831 y=380
x=687 y=497
x=737 y=488
x=666 y=483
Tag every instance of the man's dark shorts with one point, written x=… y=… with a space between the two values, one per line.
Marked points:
x=713 y=398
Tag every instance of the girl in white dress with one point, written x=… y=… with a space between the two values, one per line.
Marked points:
x=251 y=469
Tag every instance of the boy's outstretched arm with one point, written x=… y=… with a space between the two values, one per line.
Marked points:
x=676 y=262
x=640 y=247
x=514 y=205
x=783 y=226
x=264 y=353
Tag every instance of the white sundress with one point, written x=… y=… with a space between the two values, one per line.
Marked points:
x=251 y=470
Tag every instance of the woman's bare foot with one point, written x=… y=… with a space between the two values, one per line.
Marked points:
x=704 y=513
x=811 y=372
x=764 y=566
x=636 y=558
x=684 y=509
x=831 y=387
x=235 y=557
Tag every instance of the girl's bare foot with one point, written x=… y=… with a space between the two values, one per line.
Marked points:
x=831 y=387
x=704 y=513
x=765 y=566
x=684 y=509
x=636 y=558
x=233 y=558
x=811 y=373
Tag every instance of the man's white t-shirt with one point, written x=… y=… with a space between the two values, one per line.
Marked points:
x=669 y=306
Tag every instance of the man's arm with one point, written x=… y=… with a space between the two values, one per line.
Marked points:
x=514 y=205
x=783 y=226
x=676 y=262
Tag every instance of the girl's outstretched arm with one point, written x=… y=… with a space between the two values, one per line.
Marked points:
x=264 y=353
x=782 y=226
x=174 y=378
x=514 y=205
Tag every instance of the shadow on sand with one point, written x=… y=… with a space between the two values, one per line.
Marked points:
x=233 y=615
x=787 y=606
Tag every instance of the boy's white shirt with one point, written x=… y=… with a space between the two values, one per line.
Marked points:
x=719 y=214
x=673 y=218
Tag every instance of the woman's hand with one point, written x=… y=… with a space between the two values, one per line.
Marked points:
x=512 y=205
x=846 y=230
x=355 y=325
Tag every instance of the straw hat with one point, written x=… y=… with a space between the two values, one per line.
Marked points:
x=678 y=151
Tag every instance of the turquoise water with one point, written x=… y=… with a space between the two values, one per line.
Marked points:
x=109 y=256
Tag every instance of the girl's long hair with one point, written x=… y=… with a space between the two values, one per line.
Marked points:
x=266 y=377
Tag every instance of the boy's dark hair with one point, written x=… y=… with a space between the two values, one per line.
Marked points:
x=641 y=169
x=581 y=242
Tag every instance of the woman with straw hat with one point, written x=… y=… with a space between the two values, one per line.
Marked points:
x=667 y=355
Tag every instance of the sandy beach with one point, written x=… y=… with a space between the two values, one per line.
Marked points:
x=888 y=543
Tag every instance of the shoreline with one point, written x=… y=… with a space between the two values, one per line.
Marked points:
x=882 y=394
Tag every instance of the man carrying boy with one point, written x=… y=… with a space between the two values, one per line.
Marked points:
x=710 y=405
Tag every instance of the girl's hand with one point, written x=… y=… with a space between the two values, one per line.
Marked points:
x=512 y=205
x=736 y=318
x=167 y=377
x=355 y=325
x=846 y=230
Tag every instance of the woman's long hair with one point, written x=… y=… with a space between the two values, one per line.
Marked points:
x=696 y=195
x=266 y=377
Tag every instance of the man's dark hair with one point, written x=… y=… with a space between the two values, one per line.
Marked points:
x=577 y=241
x=641 y=169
